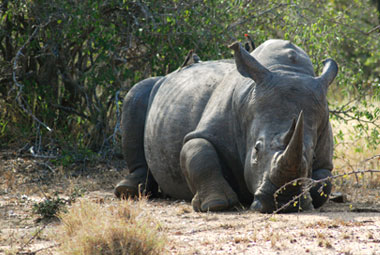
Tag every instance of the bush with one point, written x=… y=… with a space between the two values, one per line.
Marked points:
x=66 y=65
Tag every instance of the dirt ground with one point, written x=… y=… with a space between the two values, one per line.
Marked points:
x=345 y=228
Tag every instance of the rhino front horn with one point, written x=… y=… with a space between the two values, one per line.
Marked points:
x=247 y=65
x=289 y=161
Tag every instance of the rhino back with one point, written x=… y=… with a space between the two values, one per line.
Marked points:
x=175 y=110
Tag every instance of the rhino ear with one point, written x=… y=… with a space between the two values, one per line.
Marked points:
x=329 y=72
x=247 y=65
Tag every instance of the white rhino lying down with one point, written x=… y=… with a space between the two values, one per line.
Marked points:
x=221 y=133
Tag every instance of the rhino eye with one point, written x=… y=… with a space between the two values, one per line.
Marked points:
x=255 y=152
x=258 y=146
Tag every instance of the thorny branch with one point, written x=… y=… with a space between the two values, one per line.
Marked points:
x=310 y=183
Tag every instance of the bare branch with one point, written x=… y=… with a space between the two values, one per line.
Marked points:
x=71 y=110
x=19 y=98
x=374 y=29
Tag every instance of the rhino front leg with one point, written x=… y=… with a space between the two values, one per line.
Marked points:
x=201 y=167
x=319 y=198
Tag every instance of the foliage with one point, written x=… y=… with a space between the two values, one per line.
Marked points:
x=65 y=64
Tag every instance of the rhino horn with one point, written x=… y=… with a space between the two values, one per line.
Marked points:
x=247 y=65
x=294 y=150
x=329 y=72
x=289 y=161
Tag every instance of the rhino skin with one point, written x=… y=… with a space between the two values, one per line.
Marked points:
x=226 y=132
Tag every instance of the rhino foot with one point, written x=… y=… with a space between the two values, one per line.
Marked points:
x=133 y=185
x=201 y=167
x=214 y=202
x=124 y=189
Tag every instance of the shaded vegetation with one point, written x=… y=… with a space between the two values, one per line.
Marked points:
x=65 y=65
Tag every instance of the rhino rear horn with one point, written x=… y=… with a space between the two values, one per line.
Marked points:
x=247 y=65
x=329 y=72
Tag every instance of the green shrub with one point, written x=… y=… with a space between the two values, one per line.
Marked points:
x=49 y=207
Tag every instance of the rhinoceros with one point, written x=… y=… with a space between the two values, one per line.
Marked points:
x=231 y=132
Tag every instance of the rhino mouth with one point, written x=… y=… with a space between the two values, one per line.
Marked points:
x=266 y=202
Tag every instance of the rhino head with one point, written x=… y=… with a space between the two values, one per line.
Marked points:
x=285 y=114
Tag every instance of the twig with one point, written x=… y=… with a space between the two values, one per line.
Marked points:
x=117 y=126
x=45 y=248
x=242 y=21
x=34 y=236
x=368 y=159
x=46 y=165
x=35 y=155
x=43 y=193
x=19 y=151
x=71 y=110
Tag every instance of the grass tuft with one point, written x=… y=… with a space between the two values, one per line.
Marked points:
x=90 y=228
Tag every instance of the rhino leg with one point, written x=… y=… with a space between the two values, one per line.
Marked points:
x=135 y=104
x=320 y=198
x=201 y=168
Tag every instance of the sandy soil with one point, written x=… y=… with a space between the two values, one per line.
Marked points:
x=349 y=228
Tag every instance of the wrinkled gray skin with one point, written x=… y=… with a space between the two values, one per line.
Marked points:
x=220 y=132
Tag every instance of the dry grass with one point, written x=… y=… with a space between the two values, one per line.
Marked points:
x=122 y=228
x=354 y=153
